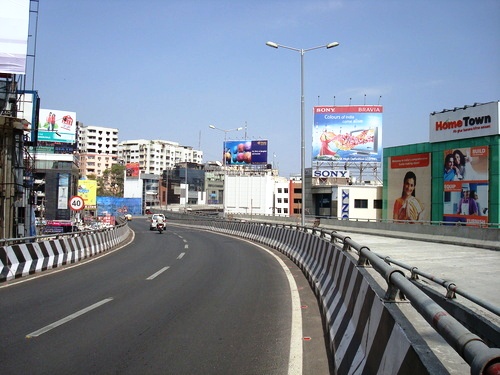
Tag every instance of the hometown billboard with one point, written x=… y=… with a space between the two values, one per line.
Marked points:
x=466 y=185
x=478 y=120
x=347 y=133
x=409 y=187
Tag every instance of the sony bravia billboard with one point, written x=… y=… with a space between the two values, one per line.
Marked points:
x=347 y=133
x=245 y=152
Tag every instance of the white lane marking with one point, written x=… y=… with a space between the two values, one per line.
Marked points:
x=296 y=355
x=67 y=319
x=157 y=273
x=181 y=255
x=184 y=239
x=186 y=246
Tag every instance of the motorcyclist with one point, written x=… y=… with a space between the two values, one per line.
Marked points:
x=160 y=222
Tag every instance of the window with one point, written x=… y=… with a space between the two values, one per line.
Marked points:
x=286 y=191
x=377 y=204
x=297 y=190
x=286 y=200
x=361 y=203
x=279 y=200
x=279 y=190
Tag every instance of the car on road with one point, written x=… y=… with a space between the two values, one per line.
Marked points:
x=154 y=221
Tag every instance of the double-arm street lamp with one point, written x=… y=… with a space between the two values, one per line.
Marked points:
x=225 y=138
x=224 y=161
x=302 y=115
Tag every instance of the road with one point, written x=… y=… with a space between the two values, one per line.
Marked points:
x=181 y=302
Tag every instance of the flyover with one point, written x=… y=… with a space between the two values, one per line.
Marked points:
x=320 y=250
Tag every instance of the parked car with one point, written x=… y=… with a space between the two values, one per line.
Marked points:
x=148 y=212
x=154 y=221
x=128 y=217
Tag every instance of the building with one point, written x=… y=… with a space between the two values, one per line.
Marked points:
x=55 y=182
x=16 y=198
x=183 y=185
x=251 y=191
x=214 y=182
x=282 y=201
x=155 y=156
x=98 y=148
x=455 y=177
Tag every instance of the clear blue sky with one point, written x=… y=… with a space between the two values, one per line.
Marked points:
x=167 y=69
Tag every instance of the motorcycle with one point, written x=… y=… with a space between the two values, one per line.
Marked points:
x=160 y=227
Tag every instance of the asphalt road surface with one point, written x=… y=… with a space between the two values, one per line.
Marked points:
x=182 y=302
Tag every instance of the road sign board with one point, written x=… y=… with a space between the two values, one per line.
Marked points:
x=76 y=203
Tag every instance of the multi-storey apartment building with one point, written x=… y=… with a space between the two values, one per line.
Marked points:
x=98 y=148
x=155 y=156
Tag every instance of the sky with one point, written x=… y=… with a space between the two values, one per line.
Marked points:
x=167 y=69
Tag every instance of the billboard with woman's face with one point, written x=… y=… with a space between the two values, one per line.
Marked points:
x=409 y=190
x=465 y=174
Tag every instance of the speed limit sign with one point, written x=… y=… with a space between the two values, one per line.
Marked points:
x=76 y=203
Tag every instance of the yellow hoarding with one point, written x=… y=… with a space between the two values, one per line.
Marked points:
x=87 y=189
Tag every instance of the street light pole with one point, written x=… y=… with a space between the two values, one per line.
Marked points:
x=224 y=163
x=302 y=116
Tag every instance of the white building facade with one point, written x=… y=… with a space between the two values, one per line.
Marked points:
x=282 y=197
x=98 y=148
x=255 y=193
x=155 y=156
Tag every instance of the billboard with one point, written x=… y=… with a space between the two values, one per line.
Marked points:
x=132 y=170
x=478 y=120
x=63 y=191
x=347 y=133
x=245 y=152
x=114 y=206
x=56 y=126
x=409 y=190
x=87 y=189
x=14 y=25
x=465 y=186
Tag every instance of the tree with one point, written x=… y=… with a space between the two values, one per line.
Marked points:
x=111 y=182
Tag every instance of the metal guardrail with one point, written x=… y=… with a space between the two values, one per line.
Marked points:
x=312 y=218
x=481 y=358
x=56 y=236
x=451 y=288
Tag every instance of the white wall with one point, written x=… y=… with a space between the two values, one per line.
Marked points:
x=249 y=194
x=346 y=201
x=132 y=188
